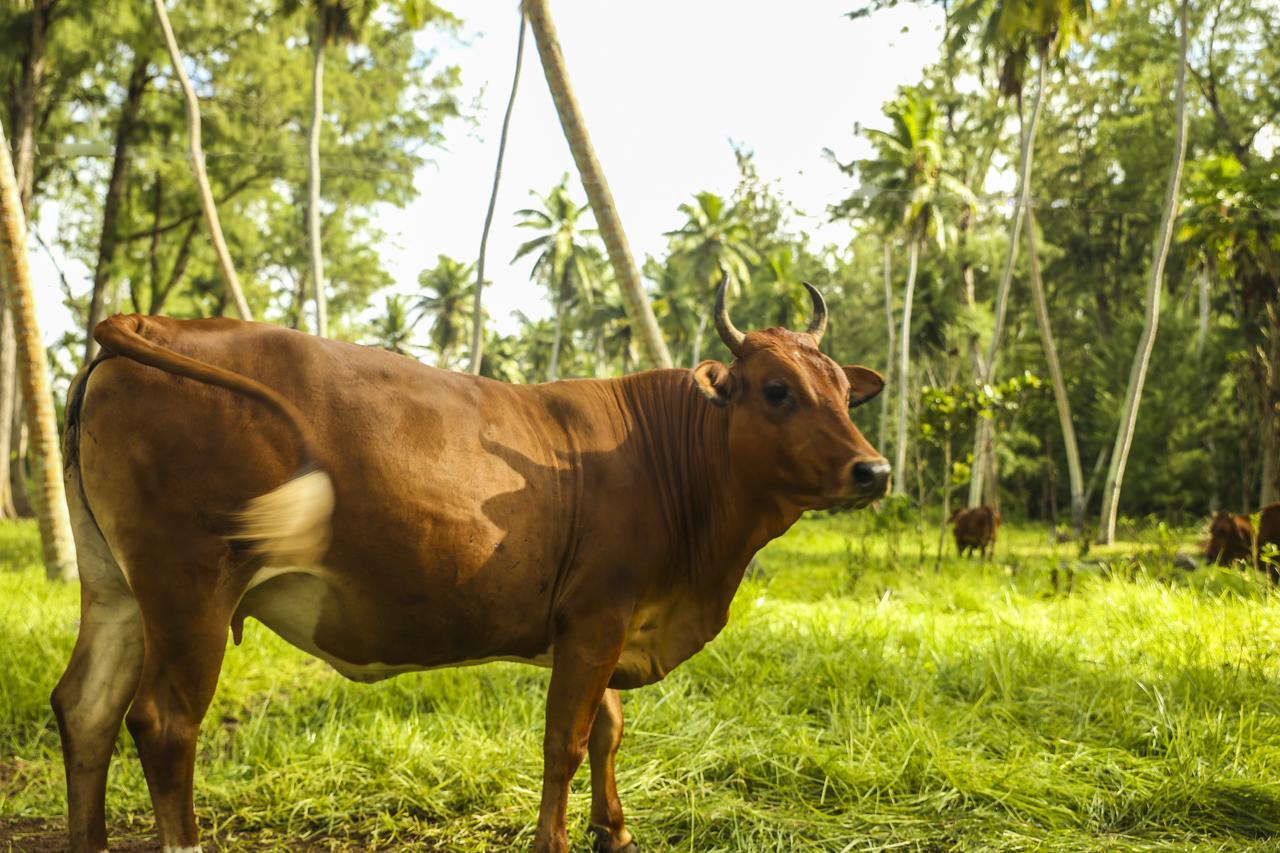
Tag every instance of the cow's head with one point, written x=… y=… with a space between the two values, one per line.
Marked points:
x=789 y=412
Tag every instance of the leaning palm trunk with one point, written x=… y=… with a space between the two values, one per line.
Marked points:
x=983 y=448
x=1075 y=473
x=477 y=316
x=1160 y=252
x=593 y=181
x=888 y=362
x=197 y=168
x=904 y=364
x=313 y=186
x=58 y=548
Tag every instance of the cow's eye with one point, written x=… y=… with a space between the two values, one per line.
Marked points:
x=776 y=393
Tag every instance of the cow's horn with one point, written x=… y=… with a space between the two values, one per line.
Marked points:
x=818 y=325
x=728 y=332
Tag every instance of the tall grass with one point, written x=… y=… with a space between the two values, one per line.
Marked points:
x=858 y=700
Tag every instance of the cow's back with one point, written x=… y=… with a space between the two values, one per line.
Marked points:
x=453 y=494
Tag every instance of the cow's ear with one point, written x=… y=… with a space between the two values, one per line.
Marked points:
x=715 y=380
x=864 y=384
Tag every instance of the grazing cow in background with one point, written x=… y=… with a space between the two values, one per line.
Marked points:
x=1230 y=539
x=975 y=529
x=426 y=519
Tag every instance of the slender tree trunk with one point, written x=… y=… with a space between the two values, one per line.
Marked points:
x=984 y=450
x=18 y=474
x=1269 y=393
x=1160 y=252
x=904 y=372
x=111 y=204
x=8 y=390
x=51 y=503
x=477 y=318
x=593 y=181
x=698 y=331
x=27 y=105
x=1075 y=473
x=197 y=168
x=553 y=369
x=313 y=184
x=888 y=362
x=602 y=368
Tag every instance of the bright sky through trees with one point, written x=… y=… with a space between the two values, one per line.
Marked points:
x=665 y=89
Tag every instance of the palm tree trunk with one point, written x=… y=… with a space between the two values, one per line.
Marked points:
x=51 y=504
x=593 y=181
x=888 y=362
x=477 y=318
x=313 y=185
x=8 y=390
x=197 y=168
x=553 y=369
x=1075 y=473
x=983 y=448
x=1160 y=252
x=25 y=116
x=111 y=204
x=904 y=371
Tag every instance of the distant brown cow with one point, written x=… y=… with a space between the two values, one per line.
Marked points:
x=1230 y=539
x=976 y=529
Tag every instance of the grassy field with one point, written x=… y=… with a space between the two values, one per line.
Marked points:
x=860 y=699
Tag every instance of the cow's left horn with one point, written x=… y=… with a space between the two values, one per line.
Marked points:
x=728 y=332
x=818 y=325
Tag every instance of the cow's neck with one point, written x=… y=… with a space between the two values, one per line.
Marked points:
x=714 y=520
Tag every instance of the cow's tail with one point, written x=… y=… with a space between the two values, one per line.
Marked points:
x=289 y=525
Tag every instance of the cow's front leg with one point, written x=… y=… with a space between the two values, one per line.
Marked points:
x=583 y=663
x=607 y=823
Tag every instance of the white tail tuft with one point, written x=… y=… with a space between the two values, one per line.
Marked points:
x=290 y=524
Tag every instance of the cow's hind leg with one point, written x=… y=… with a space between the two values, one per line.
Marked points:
x=186 y=625
x=90 y=700
x=607 y=823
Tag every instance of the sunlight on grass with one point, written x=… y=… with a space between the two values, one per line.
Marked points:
x=862 y=697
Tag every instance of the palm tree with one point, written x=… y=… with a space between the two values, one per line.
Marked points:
x=1010 y=32
x=912 y=189
x=58 y=546
x=197 y=167
x=1155 y=284
x=393 y=330
x=448 y=289
x=713 y=242
x=592 y=175
x=564 y=257
x=477 y=311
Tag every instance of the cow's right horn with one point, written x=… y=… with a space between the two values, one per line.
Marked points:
x=728 y=332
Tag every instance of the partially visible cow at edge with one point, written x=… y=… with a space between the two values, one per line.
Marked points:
x=975 y=529
x=426 y=519
x=1231 y=537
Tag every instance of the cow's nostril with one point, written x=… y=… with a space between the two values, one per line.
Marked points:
x=870 y=478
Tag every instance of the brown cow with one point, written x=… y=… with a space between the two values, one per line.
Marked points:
x=599 y=527
x=976 y=529
x=1230 y=539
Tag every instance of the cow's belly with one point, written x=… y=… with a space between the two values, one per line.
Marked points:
x=307 y=608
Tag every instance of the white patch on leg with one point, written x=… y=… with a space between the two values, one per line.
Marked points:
x=195 y=849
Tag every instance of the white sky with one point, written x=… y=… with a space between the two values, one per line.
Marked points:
x=664 y=87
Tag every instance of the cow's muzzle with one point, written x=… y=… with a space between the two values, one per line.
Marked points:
x=870 y=479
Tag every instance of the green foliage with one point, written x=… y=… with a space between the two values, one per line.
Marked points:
x=850 y=697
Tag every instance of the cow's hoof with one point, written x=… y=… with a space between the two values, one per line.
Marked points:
x=602 y=842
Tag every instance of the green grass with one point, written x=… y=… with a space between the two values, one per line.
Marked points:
x=858 y=700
